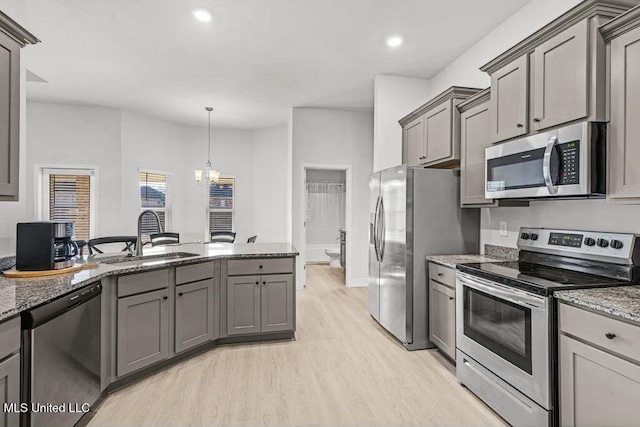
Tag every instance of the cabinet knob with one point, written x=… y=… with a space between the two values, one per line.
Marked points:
x=264 y=283
x=257 y=283
x=165 y=297
x=179 y=294
x=451 y=298
x=260 y=266
x=440 y=274
x=536 y=120
x=520 y=125
x=610 y=335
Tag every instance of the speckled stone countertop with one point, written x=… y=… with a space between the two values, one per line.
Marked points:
x=452 y=260
x=17 y=295
x=622 y=302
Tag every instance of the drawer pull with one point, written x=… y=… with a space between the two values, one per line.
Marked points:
x=451 y=298
x=610 y=335
x=440 y=274
x=260 y=267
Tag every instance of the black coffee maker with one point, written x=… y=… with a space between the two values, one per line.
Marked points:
x=45 y=245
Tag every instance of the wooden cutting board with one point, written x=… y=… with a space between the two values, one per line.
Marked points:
x=15 y=274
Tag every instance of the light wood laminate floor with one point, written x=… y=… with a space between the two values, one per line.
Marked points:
x=342 y=369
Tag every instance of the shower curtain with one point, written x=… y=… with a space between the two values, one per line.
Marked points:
x=325 y=212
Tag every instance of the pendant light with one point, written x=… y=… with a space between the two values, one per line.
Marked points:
x=211 y=174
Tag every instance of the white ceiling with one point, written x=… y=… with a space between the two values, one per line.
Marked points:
x=256 y=59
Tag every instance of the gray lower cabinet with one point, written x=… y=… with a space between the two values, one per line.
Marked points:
x=277 y=296
x=442 y=317
x=599 y=369
x=194 y=314
x=10 y=389
x=142 y=330
x=260 y=304
x=243 y=305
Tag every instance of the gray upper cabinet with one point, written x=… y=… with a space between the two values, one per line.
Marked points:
x=474 y=138
x=194 y=314
x=431 y=133
x=12 y=38
x=624 y=126
x=599 y=369
x=278 y=293
x=509 y=101
x=243 y=305
x=561 y=78
x=143 y=330
x=413 y=136
x=555 y=76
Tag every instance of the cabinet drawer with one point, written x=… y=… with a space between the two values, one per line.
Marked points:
x=142 y=282
x=442 y=274
x=9 y=337
x=239 y=267
x=594 y=328
x=194 y=273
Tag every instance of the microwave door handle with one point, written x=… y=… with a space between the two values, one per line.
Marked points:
x=546 y=165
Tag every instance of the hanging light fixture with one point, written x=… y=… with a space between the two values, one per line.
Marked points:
x=211 y=174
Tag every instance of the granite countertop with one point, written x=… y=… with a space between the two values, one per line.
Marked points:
x=18 y=295
x=622 y=302
x=452 y=261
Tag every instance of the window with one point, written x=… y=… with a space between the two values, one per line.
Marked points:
x=69 y=196
x=221 y=205
x=155 y=195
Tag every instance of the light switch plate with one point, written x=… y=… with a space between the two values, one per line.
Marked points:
x=504 y=231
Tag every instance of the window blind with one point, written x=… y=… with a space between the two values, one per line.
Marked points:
x=70 y=201
x=155 y=195
x=221 y=205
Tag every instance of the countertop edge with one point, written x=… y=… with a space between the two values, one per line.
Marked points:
x=601 y=308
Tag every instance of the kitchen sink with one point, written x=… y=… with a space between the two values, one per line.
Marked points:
x=145 y=259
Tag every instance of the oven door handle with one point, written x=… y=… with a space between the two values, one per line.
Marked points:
x=509 y=294
x=546 y=165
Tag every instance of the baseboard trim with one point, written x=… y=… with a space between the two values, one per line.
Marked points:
x=357 y=282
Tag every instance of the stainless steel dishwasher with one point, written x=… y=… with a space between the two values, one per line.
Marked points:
x=61 y=358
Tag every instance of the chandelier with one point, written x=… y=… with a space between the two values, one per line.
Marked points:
x=209 y=172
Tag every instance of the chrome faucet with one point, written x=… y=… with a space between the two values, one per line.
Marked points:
x=139 y=241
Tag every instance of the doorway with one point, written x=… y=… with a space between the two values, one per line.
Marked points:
x=325 y=218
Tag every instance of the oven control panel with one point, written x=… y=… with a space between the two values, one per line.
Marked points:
x=619 y=248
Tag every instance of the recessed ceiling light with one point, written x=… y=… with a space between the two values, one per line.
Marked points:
x=202 y=14
x=394 y=41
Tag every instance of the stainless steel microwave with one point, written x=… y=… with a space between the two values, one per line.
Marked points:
x=565 y=162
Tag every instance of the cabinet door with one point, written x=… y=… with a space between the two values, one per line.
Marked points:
x=596 y=388
x=509 y=100
x=194 y=314
x=474 y=138
x=243 y=305
x=624 y=127
x=143 y=330
x=9 y=117
x=438 y=138
x=278 y=293
x=413 y=135
x=561 y=78
x=10 y=390
x=442 y=317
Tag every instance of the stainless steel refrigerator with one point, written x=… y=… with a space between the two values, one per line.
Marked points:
x=414 y=212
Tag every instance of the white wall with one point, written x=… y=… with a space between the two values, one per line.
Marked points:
x=394 y=98
x=333 y=137
x=272 y=171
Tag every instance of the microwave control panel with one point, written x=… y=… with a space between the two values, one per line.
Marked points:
x=569 y=170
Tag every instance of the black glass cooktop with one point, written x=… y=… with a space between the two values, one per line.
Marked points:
x=537 y=278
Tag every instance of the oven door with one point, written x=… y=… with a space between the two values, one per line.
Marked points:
x=549 y=164
x=507 y=331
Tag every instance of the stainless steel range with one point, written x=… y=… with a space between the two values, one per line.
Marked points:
x=506 y=315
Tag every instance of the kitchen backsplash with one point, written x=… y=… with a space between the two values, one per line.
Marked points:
x=501 y=251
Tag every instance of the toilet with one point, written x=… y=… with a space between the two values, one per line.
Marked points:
x=334 y=257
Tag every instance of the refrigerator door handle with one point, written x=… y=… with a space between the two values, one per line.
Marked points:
x=382 y=229
x=374 y=231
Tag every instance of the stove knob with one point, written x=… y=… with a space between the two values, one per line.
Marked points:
x=534 y=236
x=603 y=243
x=616 y=244
x=525 y=236
x=589 y=241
